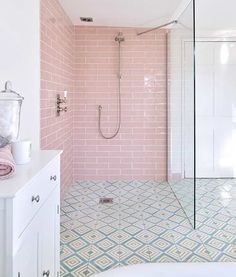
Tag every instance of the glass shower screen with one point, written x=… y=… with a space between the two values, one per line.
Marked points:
x=181 y=111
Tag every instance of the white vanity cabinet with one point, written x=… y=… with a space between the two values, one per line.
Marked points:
x=30 y=219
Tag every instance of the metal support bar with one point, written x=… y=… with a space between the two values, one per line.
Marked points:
x=158 y=27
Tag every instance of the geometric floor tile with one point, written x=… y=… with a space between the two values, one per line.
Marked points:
x=146 y=224
x=161 y=244
x=78 y=244
x=133 y=259
x=84 y=271
x=105 y=244
x=66 y=251
x=104 y=262
x=72 y=262
x=133 y=244
x=144 y=253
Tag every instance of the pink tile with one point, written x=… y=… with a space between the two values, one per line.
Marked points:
x=84 y=61
x=143 y=99
x=56 y=76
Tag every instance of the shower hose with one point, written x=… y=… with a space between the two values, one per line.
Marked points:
x=118 y=106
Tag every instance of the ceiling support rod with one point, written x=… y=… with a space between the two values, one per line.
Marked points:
x=158 y=27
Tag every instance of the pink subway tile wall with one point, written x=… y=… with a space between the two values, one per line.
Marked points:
x=84 y=61
x=139 y=152
x=57 y=76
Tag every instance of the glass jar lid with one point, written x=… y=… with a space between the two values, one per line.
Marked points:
x=9 y=95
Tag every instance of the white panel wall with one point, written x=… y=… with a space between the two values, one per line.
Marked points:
x=20 y=59
x=216 y=109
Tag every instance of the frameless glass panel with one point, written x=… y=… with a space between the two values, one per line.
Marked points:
x=216 y=118
x=216 y=130
x=181 y=111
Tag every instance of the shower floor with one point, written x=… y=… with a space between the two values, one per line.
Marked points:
x=145 y=223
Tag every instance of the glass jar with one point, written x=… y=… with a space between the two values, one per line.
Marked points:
x=10 y=109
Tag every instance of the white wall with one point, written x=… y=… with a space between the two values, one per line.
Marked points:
x=180 y=98
x=20 y=59
x=216 y=16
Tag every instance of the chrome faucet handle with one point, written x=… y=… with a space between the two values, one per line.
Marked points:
x=53 y=178
x=62 y=109
x=36 y=199
x=46 y=273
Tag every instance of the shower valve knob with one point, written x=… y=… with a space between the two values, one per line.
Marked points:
x=46 y=273
x=59 y=110
x=60 y=102
x=53 y=178
x=35 y=199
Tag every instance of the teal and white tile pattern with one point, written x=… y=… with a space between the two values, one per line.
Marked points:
x=144 y=224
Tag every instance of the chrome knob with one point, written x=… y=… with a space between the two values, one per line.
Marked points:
x=46 y=273
x=53 y=178
x=36 y=198
x=59 y=109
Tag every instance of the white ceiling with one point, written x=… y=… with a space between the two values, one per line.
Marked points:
x=216 y=15
x=121 y=13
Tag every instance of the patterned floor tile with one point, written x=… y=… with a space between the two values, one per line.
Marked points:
x=133 y=259
x=78 y=244
x=144 y=253
x=72 y=262
x=106 y=244
x=68 y=236
x=104 y=262
x=134 y=244
x=65 y=251
x=146 y=224
x=86 y=270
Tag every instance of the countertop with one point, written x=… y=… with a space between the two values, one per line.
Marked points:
x=25 y=173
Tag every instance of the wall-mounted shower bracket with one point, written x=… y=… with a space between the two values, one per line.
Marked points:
x=158 y=27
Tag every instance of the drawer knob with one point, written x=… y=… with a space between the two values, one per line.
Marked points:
x=36 y=198
x=46 y=273
x=53 y=178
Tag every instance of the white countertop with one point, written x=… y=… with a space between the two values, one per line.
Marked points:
x=25 y=173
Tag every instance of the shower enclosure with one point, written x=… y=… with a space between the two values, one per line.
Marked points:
x=181 y=111
x=201 y=115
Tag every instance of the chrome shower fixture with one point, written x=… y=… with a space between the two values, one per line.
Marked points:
x=158 y=27
x=60 y=102
x=120 y=38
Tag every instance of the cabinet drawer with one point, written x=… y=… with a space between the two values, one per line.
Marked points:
x=28 y=202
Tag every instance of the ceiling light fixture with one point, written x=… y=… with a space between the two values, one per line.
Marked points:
x=86 y=19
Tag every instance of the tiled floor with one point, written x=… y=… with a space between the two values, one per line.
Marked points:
x=145 y=224
x=184 y=192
